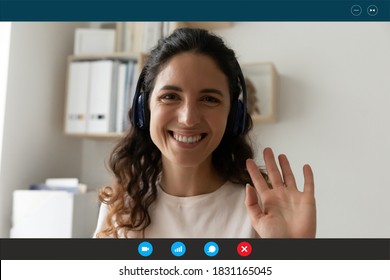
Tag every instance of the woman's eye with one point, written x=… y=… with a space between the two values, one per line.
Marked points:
x=210 y=99
x=168 y=97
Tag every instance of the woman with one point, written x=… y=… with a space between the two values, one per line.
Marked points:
x=182 y=168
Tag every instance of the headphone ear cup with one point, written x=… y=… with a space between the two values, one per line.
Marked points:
x=236 y=119
x=142 y=112
x=139 y=113
x=240 y=119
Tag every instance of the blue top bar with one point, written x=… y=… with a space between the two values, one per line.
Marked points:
x=190 y=10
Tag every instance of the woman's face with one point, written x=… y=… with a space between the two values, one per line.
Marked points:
x=189 y=107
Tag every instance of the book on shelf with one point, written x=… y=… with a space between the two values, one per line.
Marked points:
x=153 y=31
x=94 y=40
x=131 y=82
x=128 y=39
x=134 y=37
x=71 y=185
x=120 y=105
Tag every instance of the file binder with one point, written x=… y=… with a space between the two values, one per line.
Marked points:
x=102 y=97
x=99 y=96
x=78 y=87
x=152 y=33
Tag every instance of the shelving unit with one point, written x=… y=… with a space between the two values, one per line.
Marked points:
x=84 y=115
x=137 y=54
x=264 y=75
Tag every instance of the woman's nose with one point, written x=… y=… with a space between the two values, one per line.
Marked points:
x=189 y=114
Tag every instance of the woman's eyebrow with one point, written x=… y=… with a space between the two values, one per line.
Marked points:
x=211 y=90
x=205 y=90
x=171 y=87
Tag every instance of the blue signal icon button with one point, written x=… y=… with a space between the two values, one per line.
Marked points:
x=178 y=249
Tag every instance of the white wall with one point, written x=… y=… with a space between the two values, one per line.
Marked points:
x=95 y=154
x=334 y=113
x=5 y=37
x=34 y=146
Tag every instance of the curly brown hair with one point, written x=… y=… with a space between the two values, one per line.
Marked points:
x=136 y=160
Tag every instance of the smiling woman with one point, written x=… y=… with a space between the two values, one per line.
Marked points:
x=188 y=126
x=182 y=168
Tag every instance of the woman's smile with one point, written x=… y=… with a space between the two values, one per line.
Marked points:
x=187 y=139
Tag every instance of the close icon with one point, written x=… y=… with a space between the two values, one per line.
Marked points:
x=244 y=249
x=372 y=10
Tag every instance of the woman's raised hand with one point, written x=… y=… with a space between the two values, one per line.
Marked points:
x=285 y=212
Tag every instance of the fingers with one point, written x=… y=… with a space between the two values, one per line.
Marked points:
x=309 y=179
x=286 y=179
x=288 y=176
x=252 y=204
x=257 y=179
x=272 y=168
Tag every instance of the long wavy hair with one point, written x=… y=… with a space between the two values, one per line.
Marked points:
x=136 y=161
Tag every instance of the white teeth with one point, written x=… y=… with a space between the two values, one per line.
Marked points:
x=187 y=139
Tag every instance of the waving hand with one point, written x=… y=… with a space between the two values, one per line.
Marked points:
x=286 y=212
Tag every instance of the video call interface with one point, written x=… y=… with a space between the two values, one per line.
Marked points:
x=319 y=72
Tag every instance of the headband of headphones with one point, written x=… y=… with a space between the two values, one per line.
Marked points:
x=140 y=115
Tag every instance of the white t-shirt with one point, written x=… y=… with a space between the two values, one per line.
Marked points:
x=220 y=214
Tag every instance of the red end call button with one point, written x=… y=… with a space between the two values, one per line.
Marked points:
x=244 y=249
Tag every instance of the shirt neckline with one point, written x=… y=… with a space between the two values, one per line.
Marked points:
x=189 y=200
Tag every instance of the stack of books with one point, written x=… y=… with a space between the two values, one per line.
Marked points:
x=61 y=184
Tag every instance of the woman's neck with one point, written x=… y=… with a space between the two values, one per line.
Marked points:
x=189 y=181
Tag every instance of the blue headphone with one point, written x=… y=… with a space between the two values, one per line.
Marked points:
x=237 y=119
